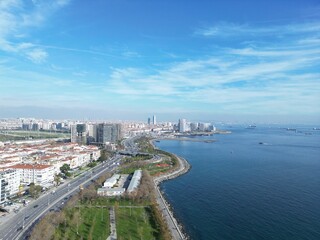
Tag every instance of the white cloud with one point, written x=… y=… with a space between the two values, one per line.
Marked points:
x=224 y=29
x=274 y=78
x=37 y=55
x=15 y=21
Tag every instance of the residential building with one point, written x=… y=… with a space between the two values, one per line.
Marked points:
x=12 y=178
x=38 y=174
x=3 y=189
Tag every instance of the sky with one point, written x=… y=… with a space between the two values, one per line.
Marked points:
x=228 y=60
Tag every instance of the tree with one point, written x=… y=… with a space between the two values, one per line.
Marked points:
x=34 y=190
x=92 y=164
x=44 y=230
x=65 y=169
x=57 y=179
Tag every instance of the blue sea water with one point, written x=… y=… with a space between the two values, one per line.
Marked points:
x=240 y=189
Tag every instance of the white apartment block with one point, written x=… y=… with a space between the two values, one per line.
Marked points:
x=9 y=184
x=38 y=174
x=13 y=179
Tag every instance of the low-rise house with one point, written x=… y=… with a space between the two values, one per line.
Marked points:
x=135 y=181
x=110 y=191
x=110 y=182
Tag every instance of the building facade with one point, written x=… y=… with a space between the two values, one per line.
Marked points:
x=182 y=125
x=108 y=133
x=38 y=174
x=79 y=133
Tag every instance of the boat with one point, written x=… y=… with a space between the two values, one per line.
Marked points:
x=251 y=127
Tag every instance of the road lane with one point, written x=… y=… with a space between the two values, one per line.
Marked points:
x=11 y=229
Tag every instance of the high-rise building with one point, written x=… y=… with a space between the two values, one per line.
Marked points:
x=108 y=133
x=35 y=127
x=182 y=125
x=149 y=121
x=92 y=133
x=79 y=133
x=193 y=127
x=154 y=120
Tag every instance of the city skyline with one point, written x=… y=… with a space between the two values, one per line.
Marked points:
x=222 y=61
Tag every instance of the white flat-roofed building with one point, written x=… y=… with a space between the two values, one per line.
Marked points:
x=135 y=181
x=12 y=177
x=38 y=174
x=111 y=191
x=110 y=182
x=3 y=189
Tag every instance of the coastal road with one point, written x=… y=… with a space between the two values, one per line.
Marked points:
x=18 y=226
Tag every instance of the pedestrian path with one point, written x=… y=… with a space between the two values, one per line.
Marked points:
x=113 y=229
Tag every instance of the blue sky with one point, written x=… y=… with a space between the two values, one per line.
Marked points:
x=253 y=61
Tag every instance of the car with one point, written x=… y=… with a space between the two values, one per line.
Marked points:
x=51 y=210
x=35 y=206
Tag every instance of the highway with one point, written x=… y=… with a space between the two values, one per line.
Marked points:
x=18 y=226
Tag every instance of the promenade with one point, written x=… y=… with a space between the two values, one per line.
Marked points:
x=172 y=223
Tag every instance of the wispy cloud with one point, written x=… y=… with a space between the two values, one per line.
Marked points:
x=17 y=17
x=37 y=55
x=224 y=29
x=267 y=78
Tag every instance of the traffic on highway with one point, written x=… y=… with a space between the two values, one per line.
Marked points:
x=19 y=225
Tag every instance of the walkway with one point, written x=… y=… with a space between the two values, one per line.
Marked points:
x=113 y=229
x=173 y=225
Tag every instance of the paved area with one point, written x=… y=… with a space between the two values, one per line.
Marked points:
x=113 y=229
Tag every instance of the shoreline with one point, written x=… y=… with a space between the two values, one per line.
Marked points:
x=188 y=139
x=175 y=227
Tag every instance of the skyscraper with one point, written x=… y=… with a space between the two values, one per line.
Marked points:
x=108 y=133
x=154 y=120
x=182 y=125
x=79 y=133
x=149 y=121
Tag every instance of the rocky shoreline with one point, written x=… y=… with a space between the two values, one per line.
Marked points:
x=177 y=230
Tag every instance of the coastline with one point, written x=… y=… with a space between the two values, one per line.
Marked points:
x=174 y=226
x=189 y=139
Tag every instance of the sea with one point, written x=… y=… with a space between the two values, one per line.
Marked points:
x=256 y=183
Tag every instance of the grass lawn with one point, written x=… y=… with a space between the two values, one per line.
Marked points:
x=93 y=224
x=23 y=135
x=135 y=223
